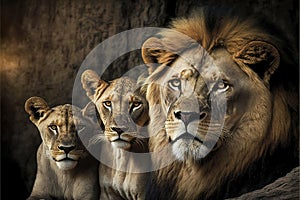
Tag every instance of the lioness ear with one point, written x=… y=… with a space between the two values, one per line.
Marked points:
x=91 y=82
x=154 y=53
x=90 y=111
x=261 y=57
x=36 y=107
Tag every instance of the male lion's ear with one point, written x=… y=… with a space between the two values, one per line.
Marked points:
x=91 y=82
x=154 y=53
x=261 y=57
x=36 y=107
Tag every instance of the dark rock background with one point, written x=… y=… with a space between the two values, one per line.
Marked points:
x=43 y=44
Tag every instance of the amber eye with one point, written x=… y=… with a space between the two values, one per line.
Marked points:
x=136 y=105
x=222 y=86
x=107 y=104
x=52 y=127
x=175 y=84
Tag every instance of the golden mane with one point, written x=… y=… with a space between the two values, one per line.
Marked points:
x=234 y=34
x=213 y=28
x=226 y=28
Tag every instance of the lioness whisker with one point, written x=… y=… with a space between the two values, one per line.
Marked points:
x=96 y=139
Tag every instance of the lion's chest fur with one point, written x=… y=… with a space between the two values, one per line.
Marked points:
x=179 y=180
x=78 y=183
x=187 y=179
x=120 y=184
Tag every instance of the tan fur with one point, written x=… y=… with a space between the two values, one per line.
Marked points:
x=59 y=128
x=123 y=111
x=264 y=117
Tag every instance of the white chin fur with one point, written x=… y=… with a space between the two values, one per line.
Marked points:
x=187 y=149
x=66 y=164
x=121 y=145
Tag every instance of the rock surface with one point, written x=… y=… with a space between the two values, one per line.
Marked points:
x=286 y=187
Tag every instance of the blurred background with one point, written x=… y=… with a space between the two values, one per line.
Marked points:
x=43 y=44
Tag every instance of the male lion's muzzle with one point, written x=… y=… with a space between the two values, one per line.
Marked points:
x=189 y=109
x=188 y=117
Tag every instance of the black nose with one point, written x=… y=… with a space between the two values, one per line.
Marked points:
x=119 y=130
x=66 y=149
x=188 y=117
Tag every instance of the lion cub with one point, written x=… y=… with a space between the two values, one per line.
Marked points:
x=65 y=170
x=123 y=112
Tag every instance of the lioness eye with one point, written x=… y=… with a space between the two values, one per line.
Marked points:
x=107 y=104
x=52 y=127
x=175 y=83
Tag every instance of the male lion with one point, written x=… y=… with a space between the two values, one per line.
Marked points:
x=123 y=112
x=65 y=170
x=222 y=96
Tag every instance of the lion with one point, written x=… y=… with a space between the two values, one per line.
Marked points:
x=65 y=169
x=123 y=112
x=223 y=105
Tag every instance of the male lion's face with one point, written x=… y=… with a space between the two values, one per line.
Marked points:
x=203 y=98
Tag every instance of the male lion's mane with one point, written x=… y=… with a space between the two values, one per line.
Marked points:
x=278 y=153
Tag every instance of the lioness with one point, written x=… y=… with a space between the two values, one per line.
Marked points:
x=123 y=111
x=222 y=97
x=65 y=170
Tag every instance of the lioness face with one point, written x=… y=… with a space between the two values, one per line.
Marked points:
x=60 y=136
x=60 y=128
x=122 y=108
x=122 y=112
x=203 y=98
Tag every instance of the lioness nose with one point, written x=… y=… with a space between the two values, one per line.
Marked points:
x=119 y=130
x=66 y=149
x=188 y=117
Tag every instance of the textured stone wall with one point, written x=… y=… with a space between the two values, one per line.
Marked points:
x=43 y=44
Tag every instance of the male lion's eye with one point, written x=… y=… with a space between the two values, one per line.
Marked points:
x=222 y=86
x=107 y=104
x=136 y=105
x=175 y=84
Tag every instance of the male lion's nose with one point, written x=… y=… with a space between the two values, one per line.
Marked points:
x=119 y=130
x=66 y=149
x=188 y=117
